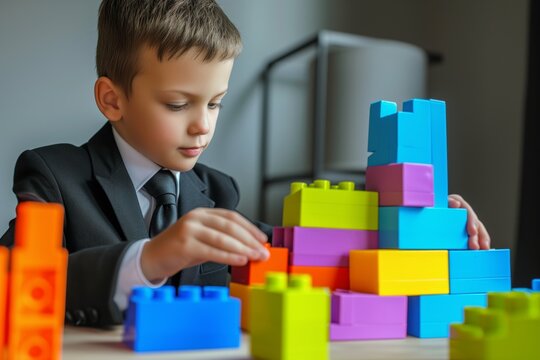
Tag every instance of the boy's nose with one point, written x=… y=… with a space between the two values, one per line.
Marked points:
x=200 y=123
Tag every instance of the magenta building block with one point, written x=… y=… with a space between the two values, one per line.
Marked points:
x=326 y=247
x=356 y=316
x=404 y=184
x=278 y=234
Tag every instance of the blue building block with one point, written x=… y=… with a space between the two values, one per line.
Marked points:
x=474 y=271
x=422 y=228
x=439 y=155
x=535 y=285
x=397 y=137
x=198 y=318
x=429 y=316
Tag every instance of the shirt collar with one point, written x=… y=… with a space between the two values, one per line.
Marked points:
x=140 y=168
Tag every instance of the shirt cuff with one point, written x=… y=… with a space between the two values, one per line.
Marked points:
x=131 y=275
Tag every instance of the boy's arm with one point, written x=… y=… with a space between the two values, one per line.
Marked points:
x=92 y=272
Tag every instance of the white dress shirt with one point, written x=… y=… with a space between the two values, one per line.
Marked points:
x=140 y=170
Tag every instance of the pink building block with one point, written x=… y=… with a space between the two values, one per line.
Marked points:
x=357 y=316
x=326 y=247
x=404 y=184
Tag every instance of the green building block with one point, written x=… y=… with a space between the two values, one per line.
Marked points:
x=289 y=322
x=323 y=205
x=509 y=328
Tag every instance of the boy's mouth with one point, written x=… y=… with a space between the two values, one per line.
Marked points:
x=191 y=151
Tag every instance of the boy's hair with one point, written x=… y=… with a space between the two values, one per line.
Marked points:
x=172 y=27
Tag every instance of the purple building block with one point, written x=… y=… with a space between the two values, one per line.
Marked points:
x=326 y=247
x=356 y=316
x=404 y=184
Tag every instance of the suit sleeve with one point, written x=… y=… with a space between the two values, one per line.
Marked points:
x=92 y=273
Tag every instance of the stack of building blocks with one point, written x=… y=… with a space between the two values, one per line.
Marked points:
x=243 y=278
x=32 y=294
x=196 y=318
x=321 y=224
x=423 y=243
x=366 y=316
x=289 y=321
x=507 y=329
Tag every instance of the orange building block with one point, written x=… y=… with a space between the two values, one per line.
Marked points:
x=37 y=283
x=242 y=292
x=4 y=254
x=332 y=277
x=254 y=272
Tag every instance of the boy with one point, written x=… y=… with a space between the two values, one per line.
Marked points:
x=139 y=209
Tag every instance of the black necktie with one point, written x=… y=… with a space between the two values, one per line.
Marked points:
x=162 y=187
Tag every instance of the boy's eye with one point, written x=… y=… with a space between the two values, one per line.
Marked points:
x=214 y=106
x=176 y=107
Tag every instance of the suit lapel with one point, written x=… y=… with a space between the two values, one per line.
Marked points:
x=192 y=193
x=110 y=172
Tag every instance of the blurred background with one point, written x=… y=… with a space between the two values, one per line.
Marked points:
x=474 y=54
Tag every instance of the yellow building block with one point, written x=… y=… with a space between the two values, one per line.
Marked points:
x=399 y=272
x=289 y=322
x=242 y=292
x=509 y=328
x=324 y=206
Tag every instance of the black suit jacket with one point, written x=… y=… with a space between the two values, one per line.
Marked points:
x=103 y=217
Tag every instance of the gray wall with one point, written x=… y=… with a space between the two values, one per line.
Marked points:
x=47 y=73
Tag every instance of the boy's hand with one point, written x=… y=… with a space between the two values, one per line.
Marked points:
x=201 y=235
x=478 y=235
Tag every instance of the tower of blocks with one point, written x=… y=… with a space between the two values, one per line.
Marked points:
x=397 y=247
x=33 y=287
x=195 y=318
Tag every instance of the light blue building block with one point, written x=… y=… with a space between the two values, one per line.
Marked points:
x=535 y=285
x=430 y=316
x=473 y=271
x=397 y=137
x=198 y=318
x=422 y=228
x=439 y=153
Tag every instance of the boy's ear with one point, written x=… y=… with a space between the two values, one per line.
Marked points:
x=108 y=98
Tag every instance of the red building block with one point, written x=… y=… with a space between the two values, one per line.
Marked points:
x=37 y=283
x=254 y=272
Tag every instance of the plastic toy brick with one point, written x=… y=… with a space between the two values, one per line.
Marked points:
x=254 y=271
x=4 y=254
x=535 y=285
x=405 y=184
x=326 y=247
x=429 y=316
x=242 y=292
x=37 y=283
x=473 y=271
x=399 y=272
x=397 y=137
x=198 y=318
x=356 y=316
x=332 y=277
x=323 y=206
x=439 y=156
x=422 y=228
x=507 y=329
x=278 y=236
x=289 y=322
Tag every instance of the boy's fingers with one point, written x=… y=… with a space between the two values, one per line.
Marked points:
x=484 y=240
x=473 y=242
x=472 y=218
x=453 y=203
x=210 y=253
x=245 y=223
x=213 y=237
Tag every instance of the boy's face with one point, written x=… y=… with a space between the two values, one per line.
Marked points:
x=171 y=113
